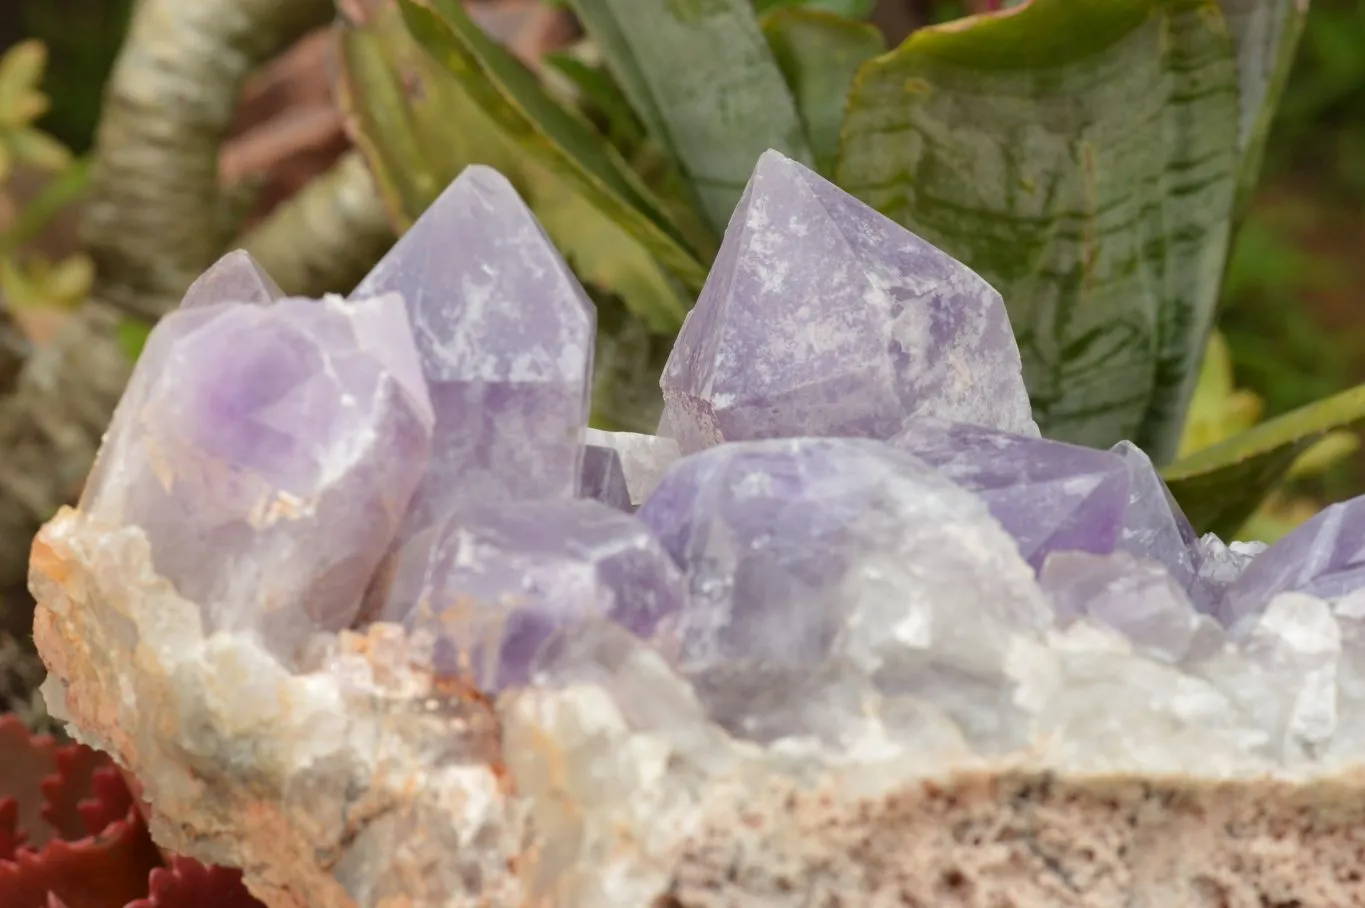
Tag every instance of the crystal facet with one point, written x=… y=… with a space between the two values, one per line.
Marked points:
x=1325 y=557
x=269 y=454
x=821 y=317
x=494 y=582
x=506 y=337
x=1049 y=495
x=1135 y=596
x=234 y=278
x=1154 y=526
x=803 y=551
x=603 y=479
x=644 y=459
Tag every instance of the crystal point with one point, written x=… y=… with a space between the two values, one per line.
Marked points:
x=1049 y=495
x=234 y=278
x=506 y=335
x=822 y=317
x=1324 y=557
x=495 y=582
x=285 y=441
x=1154 y=526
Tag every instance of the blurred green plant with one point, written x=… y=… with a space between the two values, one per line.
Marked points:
x=29 y=281
x=1088 y=158
x=1221 y=412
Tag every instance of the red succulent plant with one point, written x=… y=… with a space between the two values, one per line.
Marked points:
x=72 y=835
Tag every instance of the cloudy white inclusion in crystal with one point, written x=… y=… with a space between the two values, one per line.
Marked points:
x=506 y=336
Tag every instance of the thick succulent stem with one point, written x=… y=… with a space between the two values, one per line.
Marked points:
x=157 y=215
x=156 y=218
x=326 y=236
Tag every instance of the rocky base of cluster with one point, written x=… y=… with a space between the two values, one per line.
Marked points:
x=364 y=782
x=359 y=783
x=1039 y=840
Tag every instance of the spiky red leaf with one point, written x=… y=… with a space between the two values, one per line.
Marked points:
x=189 y=884
x=104 y=871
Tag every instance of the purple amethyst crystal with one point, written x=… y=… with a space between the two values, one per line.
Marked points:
x=794 y=546
x=269 y=454
x=1324 y=557
x=603 y=479
x=1136 y=596
x=493 y=582
x=234 y=278
x=506 y=338
x=1049 y=495
x=821 y=317
x=1154 y=526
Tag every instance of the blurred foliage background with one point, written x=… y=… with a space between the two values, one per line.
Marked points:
x=1293 y=314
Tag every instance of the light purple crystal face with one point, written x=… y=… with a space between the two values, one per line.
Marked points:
x=234 y=278
x=1135 y=596
x=821 y=317
x=1049 y=495
x=603 y=478
x=494 y=582
x=506 y=337
x=269 y=454
x=1154 y=526
x=787 y=543
x=1325 y=557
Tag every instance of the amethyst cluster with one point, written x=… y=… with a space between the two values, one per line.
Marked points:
x=847 y=481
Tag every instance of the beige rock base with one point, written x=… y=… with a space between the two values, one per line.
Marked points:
x=1041 y=842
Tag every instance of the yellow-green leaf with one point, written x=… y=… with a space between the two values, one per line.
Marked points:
x=1221 y=486
x=6 y=160
x=38 y=149
x=819 y=54
x=551 y=135
x=702 y=79
x=1081 y=156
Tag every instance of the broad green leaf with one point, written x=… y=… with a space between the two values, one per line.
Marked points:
x=819 y=55
x=596 y=87
x=1266 y=33
x=705 y=84
x=1221 y=486
x=849 y=9
x=1081 y=156
x=546 y=132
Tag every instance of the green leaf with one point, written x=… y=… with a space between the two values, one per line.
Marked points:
x=819 y=54
x=597 y=88
x=552 y=136
x=1266 y=34
x=705 y=84
x=849 y=9
x=1080 y=155
x=1221 y=486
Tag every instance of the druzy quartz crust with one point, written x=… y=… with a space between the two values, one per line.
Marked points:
x=372 y=613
